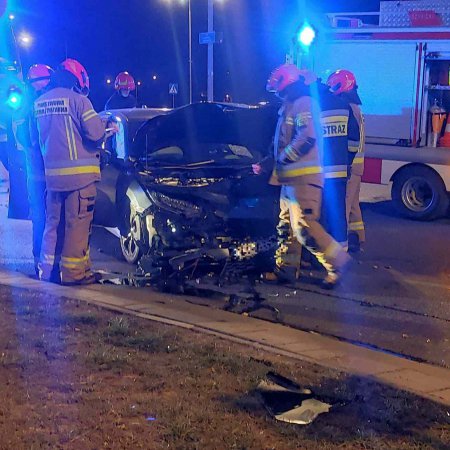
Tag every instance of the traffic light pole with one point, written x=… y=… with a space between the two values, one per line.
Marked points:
x=16 y=47
x=190 y=53
x=210 y=52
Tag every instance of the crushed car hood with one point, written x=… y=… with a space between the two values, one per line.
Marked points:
x=195 y=126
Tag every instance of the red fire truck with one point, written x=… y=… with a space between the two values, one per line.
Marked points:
x=401 y=59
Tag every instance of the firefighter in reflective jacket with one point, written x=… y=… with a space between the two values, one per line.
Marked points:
x=298 y=169
x=11 y=109
x=14 y=136
x=5 y=112
x=343 y=84
x=69 y=132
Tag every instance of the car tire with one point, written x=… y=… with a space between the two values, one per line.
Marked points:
x=129 y=245
x=419 y=193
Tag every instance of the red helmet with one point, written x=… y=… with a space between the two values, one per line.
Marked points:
x=80 y=73
x=39 y=76
x=124 y=81
x=282 y=77
x=341 y=81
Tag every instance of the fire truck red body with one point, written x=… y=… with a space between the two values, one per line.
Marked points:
x=402 y=67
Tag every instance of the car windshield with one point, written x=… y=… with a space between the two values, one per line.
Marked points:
x=198 y=153
x=206 y=134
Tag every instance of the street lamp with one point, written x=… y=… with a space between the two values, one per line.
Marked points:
x=138 y=85
x=24 y=39
x=210 y=52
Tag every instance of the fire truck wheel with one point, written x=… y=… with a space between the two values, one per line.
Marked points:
x=419 y=193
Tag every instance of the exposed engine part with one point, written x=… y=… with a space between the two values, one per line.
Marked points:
x=252 y=249
x=175 y=205
x=192 y=182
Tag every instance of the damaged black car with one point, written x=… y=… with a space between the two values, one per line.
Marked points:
x=182 y=193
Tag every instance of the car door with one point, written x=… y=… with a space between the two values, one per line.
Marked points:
x=112 y=165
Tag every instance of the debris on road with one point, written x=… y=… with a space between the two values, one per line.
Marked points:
x=288 y=402
x=123 y=279
x=241 y=297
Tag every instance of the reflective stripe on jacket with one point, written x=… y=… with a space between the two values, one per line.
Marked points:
x=356 y=147
x=68 y=129
x=3 y=133
x=296 y=150
x=334 y=121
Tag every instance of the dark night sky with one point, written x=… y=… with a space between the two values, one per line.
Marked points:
x=149 y=37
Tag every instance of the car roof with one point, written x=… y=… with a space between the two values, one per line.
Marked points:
x=150 y=113
x=140 y=114
x=143 y=115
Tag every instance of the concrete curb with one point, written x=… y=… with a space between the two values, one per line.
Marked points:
x=422 y=379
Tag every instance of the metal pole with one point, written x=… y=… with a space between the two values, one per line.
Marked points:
x=190 y=51
x=210 y=52
x=16 y=48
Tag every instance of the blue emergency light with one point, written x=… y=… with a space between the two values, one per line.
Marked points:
x=14 y=100
x=306 y=35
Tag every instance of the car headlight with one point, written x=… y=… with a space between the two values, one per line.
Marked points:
x=175 y=205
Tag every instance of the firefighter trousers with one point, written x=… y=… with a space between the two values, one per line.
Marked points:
x=289 y=250
x=353 y=208
x=66 y=237
x=303 y=202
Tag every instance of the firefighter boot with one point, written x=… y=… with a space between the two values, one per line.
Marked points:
x=334 y=277
x=91 y=278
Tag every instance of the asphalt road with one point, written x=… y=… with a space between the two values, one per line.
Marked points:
x=396 y=298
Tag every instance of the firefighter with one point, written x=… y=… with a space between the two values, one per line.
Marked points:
x=8 y=78
x=122 y=98
x=298 y=169
x=343 y=84
x=38 y=79
x=3 y=116
x=69 y=132
x=14 y=136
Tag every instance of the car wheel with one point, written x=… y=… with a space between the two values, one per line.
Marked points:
x=419 y=193
x=129 y=244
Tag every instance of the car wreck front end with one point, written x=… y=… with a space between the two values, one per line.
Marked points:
x=205 y=214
